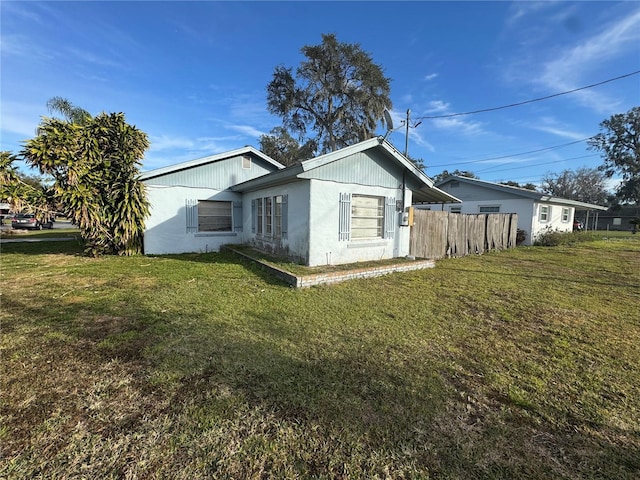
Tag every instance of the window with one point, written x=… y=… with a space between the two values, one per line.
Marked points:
x=565 y=215
x=489 y=209
x=367 y=216
x=270 y=216
x=214 y=216
x=545 y=213
x=455 y=209
x=259 y=216
x=246 y=161
x=277 y=216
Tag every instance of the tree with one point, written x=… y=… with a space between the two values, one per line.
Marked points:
x=338 y=93
x=511 y=183
x=282 y=147
x=619 y=144
x=95 y=166
x=23 y=192
x=68 y=110
x=584 y=184
x=458 y=173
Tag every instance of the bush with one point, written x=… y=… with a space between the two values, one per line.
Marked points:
x=521 y=236
x=553 y=238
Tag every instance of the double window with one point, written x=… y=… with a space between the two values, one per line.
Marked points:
x=269 y=216
x=565 y=215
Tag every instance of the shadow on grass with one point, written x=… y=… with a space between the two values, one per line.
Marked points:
x=92 y=362
x=65 y=247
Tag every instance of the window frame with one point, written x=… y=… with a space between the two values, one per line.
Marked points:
x=490 y=207
x=566 y=214
x=545 y=214
x=202 y=215
x=378 y=218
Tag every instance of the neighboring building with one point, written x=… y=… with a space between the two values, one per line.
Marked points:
x=615 y=218
x=536 y=211
x=346 y=206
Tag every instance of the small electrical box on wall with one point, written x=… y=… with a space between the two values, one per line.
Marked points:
x=407 y=217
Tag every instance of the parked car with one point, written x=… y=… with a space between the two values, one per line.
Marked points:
x=577 y=225
x=29 y=221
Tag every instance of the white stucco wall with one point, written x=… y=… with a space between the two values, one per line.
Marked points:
x=528 y=214
x=555 y=221
x=166 y=226
x=325 y=248
x=296 y=244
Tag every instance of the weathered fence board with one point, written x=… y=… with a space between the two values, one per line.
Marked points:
x=438 y=234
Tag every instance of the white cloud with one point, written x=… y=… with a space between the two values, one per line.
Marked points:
x=165 y=142
x=247 y=130
x=567 y=70
x=430 y=76
x=437 y=106
x=551 y=125
x=20 y=118
x=461 y=126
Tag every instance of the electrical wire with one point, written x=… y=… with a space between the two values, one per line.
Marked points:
x=535 y=164
x=544 y=149
x=517 y=104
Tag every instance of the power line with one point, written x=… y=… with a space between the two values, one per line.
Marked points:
x=512 y=155
x=517 y=104
x=535 y=164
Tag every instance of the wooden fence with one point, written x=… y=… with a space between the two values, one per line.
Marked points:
x=438 y=234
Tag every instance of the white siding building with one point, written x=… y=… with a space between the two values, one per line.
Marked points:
x=536 y=211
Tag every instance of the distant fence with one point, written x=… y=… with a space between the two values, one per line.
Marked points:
x=442 y=234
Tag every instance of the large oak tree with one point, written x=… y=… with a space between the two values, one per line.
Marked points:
x=619 y=144
x=335 y=98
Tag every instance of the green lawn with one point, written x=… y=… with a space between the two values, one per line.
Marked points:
x=519 y=364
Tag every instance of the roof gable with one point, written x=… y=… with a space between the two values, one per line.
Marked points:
x=226 y=165
x=371 y=162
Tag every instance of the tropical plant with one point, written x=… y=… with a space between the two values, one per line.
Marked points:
x=338 y=93
x=23 y=192
x=95 y=165
x=69 y=111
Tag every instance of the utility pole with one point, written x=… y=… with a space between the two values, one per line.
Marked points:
x=406 y=138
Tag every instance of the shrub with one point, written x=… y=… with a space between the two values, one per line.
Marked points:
x=553 y=238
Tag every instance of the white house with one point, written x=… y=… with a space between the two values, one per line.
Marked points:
x=536 y=211
x=346 y=206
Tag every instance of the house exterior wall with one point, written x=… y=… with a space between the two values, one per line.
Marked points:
x=555 y=218
x=296 y=242
x=166 y=226
x=528 y=214
x=326 y=248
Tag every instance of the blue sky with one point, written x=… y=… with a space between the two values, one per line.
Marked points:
x=193 y=75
